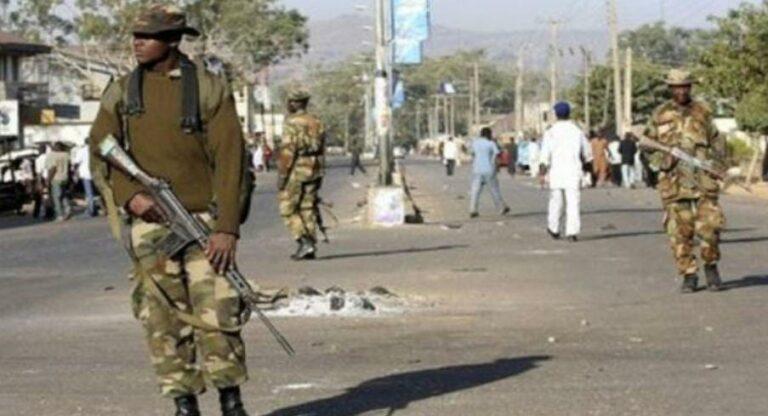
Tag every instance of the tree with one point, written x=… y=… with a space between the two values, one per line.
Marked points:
x=648 y=90
x=250 y=34
x=669 y=46
x=736 y=63
x=40 y=21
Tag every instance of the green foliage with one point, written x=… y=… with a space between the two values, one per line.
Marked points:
x=252 y=34
x=662 y=45
x=337 y=98
x=739 y=152
x=737 y=61
x=752 y=111
x=38 y=21
x=648 y=89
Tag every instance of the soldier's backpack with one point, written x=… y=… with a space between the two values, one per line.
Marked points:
x=202 y=84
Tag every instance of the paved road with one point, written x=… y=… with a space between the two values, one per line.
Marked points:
x=488 y=296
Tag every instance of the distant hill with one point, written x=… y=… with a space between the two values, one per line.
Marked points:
x=337 y=39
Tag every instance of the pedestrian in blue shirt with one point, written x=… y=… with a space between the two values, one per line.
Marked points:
x=484 y=169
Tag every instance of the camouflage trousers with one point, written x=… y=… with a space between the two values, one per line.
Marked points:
x=185 y=357
x=298 y=207
x=688 y=219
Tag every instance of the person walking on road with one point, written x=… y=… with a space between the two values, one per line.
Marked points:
x=564 y=153
x=355 y=151
x=450 y=155
x=484 y=172
x=600 y=165
x=82 y=161
x=614 y=157
x=191 y=316
x=628 y=150
x=57 y=165
x=301 y=168
x=690 y=196
x=512 y=151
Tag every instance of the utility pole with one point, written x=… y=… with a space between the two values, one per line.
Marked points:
x=446 y=115
x=628 y=92
x=382 y=96
x=367 y=109
x=587 y=92
x=478 y=90
x=471 y=111
x=437 y=116
x=453 y=116
x=614 y=26
x=418 y=120
x=554 y=61
x=519 y=111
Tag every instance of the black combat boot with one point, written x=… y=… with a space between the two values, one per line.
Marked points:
x=231 y=403
x=306 y=250
x=714 y=284
x=690 y=284
x=187 y=406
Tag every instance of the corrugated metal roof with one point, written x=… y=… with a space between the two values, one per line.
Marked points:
x=12 y=43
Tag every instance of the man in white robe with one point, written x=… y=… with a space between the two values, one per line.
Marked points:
x=564 y=152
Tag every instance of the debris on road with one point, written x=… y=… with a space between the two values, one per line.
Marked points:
x=449 y=227
x=551 y=340
x=336 y=301
x=711 y=367
x=636 y=340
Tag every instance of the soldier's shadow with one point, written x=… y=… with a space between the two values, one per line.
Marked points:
x=745 y=282
x=397 y=391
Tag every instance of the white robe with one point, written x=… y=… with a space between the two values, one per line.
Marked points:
x=564 y=152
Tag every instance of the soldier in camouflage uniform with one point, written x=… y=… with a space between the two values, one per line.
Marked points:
x=301 y=167
x=689 y=195
x=191 y=315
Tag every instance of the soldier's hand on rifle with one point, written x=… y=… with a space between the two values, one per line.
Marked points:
x=144 y=206
x=221 y=251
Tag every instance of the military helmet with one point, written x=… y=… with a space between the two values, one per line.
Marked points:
x=298 y=93
x=159 y=19
x=679 y=77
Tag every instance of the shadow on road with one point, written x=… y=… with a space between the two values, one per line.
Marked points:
x=744 y=240
x=392 y=252
x=660 y=232
x=397 y=391
x=749 y=281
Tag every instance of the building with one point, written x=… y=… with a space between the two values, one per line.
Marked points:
x=23 y=85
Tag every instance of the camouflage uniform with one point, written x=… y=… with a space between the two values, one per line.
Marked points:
x=191 y=316
x=185 y=356
x=689 y=195
x=301 y=166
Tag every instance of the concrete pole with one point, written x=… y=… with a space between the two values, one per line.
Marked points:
x=628 y=92
x=453 y=116
x=382 y=95
x=587 y=91
x=519 y=111
x=617 y=99
x=367 y=109
x=478 y=91
x=554 y=61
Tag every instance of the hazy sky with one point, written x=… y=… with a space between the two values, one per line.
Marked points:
x=528 y=14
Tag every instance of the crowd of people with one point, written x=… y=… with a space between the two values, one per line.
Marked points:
x=54 y=180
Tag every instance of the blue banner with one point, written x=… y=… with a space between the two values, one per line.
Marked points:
x=407 y=52
x=411 y=19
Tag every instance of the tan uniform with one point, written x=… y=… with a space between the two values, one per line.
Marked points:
x=301 y=161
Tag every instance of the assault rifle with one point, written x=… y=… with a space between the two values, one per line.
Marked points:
x=695 y=162
x=684 y=157
x=186 y=229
